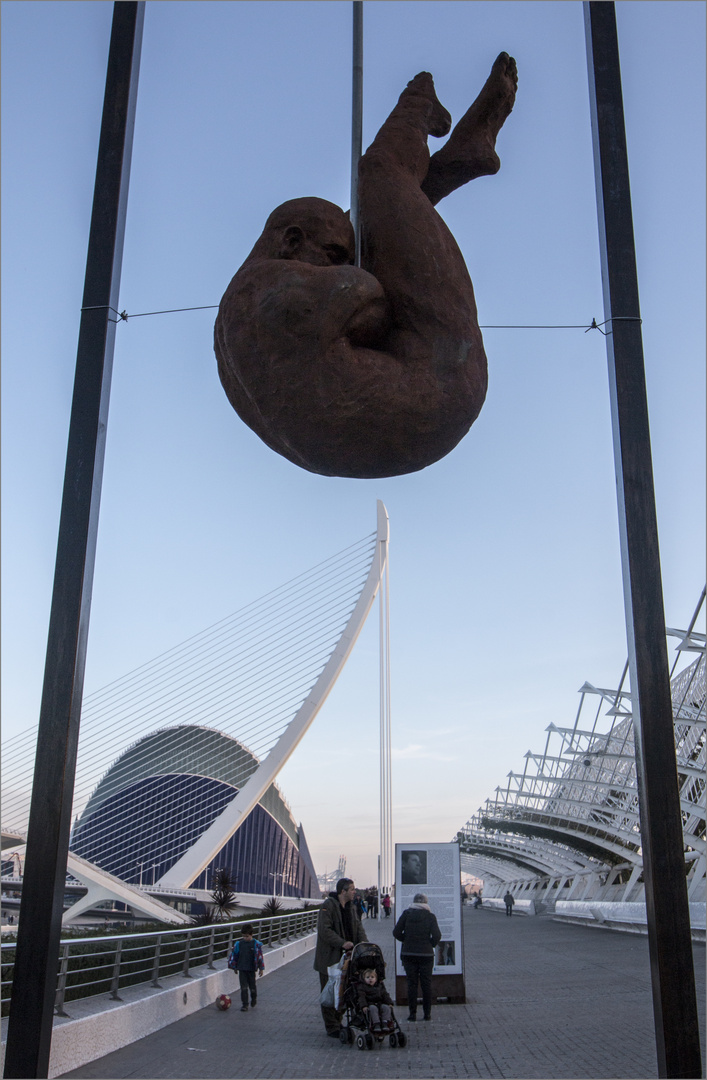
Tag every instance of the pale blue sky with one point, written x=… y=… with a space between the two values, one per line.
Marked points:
x=505 y=574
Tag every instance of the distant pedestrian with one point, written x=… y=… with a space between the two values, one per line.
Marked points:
x=418 y=930
x=386 y=905
x=509 y=902
x=246 y=958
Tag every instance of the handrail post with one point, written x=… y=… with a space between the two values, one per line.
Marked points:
x=115 y=981
x=187 y=950
x=210 y=954
x=156 y=964
x=61 y=986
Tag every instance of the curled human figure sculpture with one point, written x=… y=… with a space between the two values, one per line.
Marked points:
x=378 y=370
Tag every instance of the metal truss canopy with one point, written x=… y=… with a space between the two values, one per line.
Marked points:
x=573 y=813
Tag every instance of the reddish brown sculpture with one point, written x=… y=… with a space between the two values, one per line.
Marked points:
x=379 y=370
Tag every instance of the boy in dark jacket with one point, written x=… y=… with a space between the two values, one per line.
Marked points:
x=375 y=1000
x=247 y=958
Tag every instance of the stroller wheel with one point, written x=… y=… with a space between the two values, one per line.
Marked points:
x=343 y=1036
x=393 y=1039
x=369 y=1040
x=360 y=1042
x=402 y=1038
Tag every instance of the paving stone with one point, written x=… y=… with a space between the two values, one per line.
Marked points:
x=544 y=1000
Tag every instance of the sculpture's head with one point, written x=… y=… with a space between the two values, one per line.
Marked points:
x=309 y=230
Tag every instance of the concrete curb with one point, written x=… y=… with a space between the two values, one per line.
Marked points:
x=628 y=917
x=97 y=1026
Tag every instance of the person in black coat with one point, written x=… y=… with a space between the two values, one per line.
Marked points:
x=419 y=932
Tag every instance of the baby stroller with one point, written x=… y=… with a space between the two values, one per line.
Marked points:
x=355 y=1026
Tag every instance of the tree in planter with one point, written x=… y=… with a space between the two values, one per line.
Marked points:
x=271 y=906
x=223 y=901
x=223 y=895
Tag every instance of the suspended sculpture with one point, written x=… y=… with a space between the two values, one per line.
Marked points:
x=378 y=370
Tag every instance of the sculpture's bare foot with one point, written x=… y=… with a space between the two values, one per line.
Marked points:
x=439 y=120
x=478 y=129
x=471 y=148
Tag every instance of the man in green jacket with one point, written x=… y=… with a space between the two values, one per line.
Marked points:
x=338 y=928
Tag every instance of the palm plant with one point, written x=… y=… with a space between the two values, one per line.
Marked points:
x=223 y=897
x=271 y=906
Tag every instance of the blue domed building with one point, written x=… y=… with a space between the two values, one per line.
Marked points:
x=163 y=792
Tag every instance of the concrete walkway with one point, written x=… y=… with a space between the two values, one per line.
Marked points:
x=544 y=999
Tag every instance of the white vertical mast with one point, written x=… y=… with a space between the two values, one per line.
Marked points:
x=385 y=873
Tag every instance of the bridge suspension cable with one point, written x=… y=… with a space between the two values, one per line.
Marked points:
x=246 y=675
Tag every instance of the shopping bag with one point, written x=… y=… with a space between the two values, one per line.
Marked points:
x=330 y=994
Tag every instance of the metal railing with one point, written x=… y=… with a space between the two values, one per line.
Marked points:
x=104 y=965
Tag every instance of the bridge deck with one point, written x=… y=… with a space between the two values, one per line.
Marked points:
x=544 y=999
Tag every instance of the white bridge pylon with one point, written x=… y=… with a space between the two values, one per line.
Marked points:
x=207 y=847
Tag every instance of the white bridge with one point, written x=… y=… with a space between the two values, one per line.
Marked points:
x=245 y=690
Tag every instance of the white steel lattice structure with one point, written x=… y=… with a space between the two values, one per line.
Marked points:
x=568 y=825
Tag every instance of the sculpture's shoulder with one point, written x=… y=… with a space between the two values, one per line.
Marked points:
x=258 y=273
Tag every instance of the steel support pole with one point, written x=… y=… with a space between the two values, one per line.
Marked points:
x=356 y=119
x=672 y=974
x=34 y=981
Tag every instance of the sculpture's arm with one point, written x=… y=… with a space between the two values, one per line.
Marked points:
x=291 y=303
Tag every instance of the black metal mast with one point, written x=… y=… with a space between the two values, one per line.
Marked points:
x=356 y=119
x=34 y=981
x=672 y=973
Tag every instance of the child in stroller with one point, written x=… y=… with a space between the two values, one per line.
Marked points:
x=374 y=999
x=367 y=1002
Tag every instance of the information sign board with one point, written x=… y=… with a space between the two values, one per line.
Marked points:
x=433 y=869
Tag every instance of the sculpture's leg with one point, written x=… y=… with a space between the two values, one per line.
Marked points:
x=470 y=150
x=403 y=137
x=409 y=249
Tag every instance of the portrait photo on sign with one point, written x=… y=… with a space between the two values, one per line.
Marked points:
x=444 y=954
x=413 y=868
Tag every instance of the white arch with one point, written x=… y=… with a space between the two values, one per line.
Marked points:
x=200 y=854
